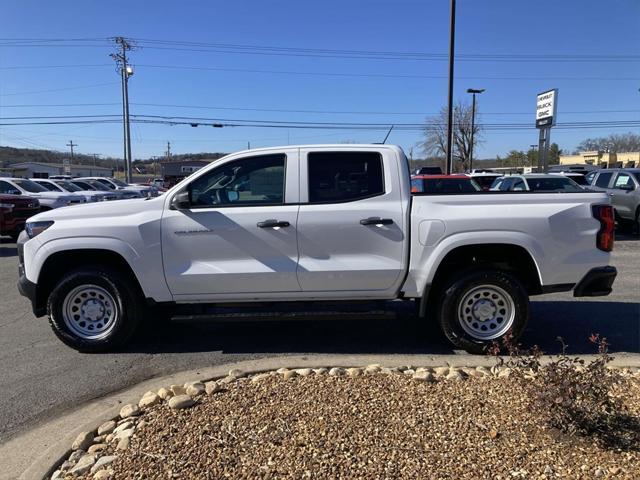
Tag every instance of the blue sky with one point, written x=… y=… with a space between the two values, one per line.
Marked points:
x=405 y=91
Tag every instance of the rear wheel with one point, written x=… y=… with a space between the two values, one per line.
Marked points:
x=481 y=307
x=94 y=309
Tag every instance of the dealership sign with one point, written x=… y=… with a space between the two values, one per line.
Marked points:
x=546 y=107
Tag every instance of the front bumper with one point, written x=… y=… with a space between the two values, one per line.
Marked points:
x=26 y=287
x=596 y=283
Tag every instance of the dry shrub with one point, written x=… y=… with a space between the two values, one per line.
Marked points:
x=572 y=395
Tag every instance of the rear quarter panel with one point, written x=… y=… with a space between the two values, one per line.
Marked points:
x=557 y=229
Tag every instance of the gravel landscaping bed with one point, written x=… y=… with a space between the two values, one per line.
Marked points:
x=373 y=422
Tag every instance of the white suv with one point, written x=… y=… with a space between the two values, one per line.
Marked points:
x=55 y=186
x=48 y=200
x=119 y=185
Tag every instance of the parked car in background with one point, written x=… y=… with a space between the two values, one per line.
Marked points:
x=536 y=182
x=14 y=212
x=53 y=186
x=73 y=188
x=90 y=184
x=484 y=179
x=623 y=187
x=119 y=185
x=443 y=184
x=48 y=200
x=428 y=171
x=579 y=178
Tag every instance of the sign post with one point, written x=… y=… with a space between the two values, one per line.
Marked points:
x=546 y=114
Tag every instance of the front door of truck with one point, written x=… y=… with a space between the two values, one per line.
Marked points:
x=237 y=233
x=351 y=223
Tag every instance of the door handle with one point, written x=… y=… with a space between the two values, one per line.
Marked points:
x=272 y=223
x=376 y=221
x=611 y=194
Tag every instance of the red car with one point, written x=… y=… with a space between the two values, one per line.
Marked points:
x=443 y=184
x=14 y=212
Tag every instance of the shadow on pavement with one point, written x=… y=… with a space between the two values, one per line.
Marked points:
x=574 y=321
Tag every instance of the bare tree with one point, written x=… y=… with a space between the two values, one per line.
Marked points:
x=435 y=135
x=623 y=142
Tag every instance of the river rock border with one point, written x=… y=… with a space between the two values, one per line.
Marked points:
x=86 y=451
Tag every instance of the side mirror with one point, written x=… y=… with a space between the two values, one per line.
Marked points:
x=181 y=201
x=14 y=192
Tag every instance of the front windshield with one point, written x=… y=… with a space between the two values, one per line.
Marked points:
x=30 y=186
x=99 y=185
x=49 y=186
x=68 y=186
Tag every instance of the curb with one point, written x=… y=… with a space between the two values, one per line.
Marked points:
x=54 y=445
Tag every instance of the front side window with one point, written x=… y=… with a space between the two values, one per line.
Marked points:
x=336 y=177
x=603 y=179
x=250 y=181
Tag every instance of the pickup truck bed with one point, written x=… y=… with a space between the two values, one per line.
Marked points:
x=314 y=223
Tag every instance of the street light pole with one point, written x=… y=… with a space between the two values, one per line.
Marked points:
x=452 y=38
x=473 y=122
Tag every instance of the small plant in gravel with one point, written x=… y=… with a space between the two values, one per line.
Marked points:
x=572 y=395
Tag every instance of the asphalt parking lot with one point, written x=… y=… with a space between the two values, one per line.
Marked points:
x=40 y=377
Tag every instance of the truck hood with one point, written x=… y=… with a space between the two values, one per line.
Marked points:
x=119 y=208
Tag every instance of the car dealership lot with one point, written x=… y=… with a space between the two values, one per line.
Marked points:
x=40 y=377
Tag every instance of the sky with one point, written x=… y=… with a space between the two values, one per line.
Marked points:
x=588 y=49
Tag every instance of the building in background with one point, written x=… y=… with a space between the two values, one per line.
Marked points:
x=174 y=171
x=603 y=159
x=46 y=170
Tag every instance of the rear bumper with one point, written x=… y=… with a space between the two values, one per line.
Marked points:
x=596 y=283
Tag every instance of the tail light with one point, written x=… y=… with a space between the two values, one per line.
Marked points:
x=604 y=214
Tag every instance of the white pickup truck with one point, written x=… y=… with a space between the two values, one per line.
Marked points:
x=313 y=223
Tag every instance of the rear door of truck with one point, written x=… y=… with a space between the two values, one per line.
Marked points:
x=352 y=222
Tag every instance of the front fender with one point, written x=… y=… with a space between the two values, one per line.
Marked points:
x=146 y=268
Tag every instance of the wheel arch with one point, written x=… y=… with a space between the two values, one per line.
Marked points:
x=60 y=262
x=512 y=258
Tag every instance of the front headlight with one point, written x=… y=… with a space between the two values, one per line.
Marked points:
x=34 y=229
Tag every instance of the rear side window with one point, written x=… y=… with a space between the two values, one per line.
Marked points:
x=603 y=179
x=344 y=176
x=623 y=180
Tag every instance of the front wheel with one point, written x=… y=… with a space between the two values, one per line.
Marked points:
x=94 y=309
x=480 y=307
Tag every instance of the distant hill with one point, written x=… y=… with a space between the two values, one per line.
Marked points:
x=11 y=155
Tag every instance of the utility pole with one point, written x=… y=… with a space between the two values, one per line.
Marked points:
x=168 y=152
x=452 y=38
x=71 y=145
x=125 y=71
x=248 y=145
x=473 y=122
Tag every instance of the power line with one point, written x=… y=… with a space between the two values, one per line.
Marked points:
x=57 y=89
x=318 y=52
x=278 y=110
x=335 y=74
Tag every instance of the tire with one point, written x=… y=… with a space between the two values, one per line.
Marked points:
x=94 y=309
x=480 y=307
